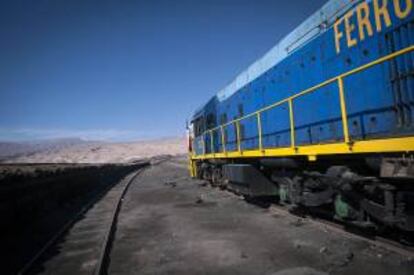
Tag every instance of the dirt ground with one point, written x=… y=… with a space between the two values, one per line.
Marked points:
x=171 y=224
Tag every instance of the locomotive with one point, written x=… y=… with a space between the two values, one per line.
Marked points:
x=325 y=119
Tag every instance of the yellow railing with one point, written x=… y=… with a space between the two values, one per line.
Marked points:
x=290 y=100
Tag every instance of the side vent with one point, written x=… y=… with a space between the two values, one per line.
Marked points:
x=401 y=70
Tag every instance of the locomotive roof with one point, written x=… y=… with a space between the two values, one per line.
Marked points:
x=310 y=28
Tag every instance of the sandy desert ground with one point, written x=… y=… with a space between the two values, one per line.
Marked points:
x=99 y=152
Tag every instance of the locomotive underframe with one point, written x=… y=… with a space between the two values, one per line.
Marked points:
x=375 y=191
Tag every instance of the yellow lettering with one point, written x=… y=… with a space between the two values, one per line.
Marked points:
x=349 y=28
x=363 y=20
x=338 y=36
x=381 y=11
x=403 y=13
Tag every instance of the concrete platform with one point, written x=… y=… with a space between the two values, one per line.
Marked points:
x=171 y=224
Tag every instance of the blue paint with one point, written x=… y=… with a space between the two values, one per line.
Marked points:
x=380 y=100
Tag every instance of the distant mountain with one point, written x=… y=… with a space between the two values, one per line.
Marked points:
x=10 y=150
x=58 y=143
x=79 y=151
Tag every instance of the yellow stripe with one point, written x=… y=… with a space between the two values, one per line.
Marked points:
x=397 y=145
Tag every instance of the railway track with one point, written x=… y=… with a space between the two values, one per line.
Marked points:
x=96 y=220
x=328 y=225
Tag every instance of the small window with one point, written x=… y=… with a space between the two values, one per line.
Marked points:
x=211 y=121
x=199 y=127
x=242 y=131
x=223 y=118
x=240 y=109
x=235 y=129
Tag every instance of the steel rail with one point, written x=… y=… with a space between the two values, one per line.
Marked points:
x=103 y=262
x=102 y=265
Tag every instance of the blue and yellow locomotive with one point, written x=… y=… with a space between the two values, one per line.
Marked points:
x=324 y=119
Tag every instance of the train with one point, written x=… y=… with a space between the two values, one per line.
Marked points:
x=324 y=120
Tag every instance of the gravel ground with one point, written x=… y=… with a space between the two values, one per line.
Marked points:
x=171 y=224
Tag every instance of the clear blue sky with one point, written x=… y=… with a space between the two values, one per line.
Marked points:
x=124 y=70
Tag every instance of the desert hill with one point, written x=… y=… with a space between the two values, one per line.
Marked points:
x=78 y=151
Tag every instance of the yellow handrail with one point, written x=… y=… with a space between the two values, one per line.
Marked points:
x=238 y=135
x=223 y=139
x=211 y=142
x=343 y=109
x=259 y=130
x=204 y=143
x=340 y=81
x=292 y=124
